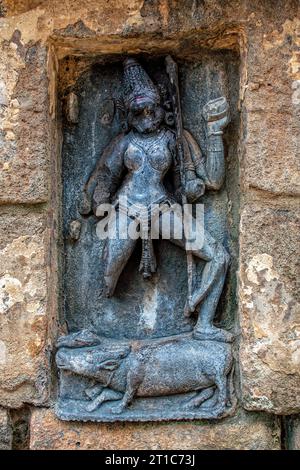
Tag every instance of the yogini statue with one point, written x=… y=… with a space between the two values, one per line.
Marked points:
x=134 y=166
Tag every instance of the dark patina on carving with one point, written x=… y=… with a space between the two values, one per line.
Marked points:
x=188 y=375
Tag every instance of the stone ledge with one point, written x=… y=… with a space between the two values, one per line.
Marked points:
x=242 y=432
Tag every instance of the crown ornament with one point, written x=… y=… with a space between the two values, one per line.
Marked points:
x=138 y=86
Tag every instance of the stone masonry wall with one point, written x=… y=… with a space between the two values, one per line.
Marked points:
x=34 y=36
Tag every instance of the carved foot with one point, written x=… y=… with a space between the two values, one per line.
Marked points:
x=200 y=398
x=213 y=333
x=118 y=409
x=94 y=405
x=218 y=411
x=106 y=395
x=189 y=308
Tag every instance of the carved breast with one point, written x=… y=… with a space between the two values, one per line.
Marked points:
x=160 y=158
x=134 y=157
x=153 y=153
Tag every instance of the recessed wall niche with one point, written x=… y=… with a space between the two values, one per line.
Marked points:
x=144 y=318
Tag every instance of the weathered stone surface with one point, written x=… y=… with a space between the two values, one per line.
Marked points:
x=24 y=139
x=292 y=432
x=269 y=308
x=5 y=430
x=272 y=109
x=24 y=364
x=245 y=431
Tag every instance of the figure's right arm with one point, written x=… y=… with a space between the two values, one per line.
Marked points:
x=104 y=180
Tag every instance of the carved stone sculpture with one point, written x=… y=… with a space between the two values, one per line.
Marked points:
x=187 y=375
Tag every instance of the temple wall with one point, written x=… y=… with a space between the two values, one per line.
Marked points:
x=37 y=39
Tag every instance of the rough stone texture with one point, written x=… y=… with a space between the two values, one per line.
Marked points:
x=292 y=433
x=269 y=229
x=269 y=308
x=24 y=149
x=23 y=308
x=272 y=109
x=242 y=432
x=5 y=430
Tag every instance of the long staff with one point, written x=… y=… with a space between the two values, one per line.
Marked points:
x=172 y=71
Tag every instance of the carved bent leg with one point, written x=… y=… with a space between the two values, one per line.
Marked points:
x=210 y=288
x=134 y=379
x=116 y=254
x=106 y=395
x=221 y=383
x=94 y=391
x=200 y=397
x=209 y=292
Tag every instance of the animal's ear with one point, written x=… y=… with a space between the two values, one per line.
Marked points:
x=78 y=339
x=110 y=364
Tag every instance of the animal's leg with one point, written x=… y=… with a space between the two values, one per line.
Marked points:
x=134 y=379
x=94 y=391
x=221 y=383
x=116 y=253
x=107 y=395
x=200 y=398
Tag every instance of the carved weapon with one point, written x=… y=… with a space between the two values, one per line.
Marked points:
x=172 y=71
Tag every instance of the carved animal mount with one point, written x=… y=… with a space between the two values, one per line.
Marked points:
x=167 y=366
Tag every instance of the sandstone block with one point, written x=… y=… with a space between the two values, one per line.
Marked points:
x=269 y=308
x=24 y=358
x=272 y=110
x=272 y=152
x=245 y=431
x=24 y=121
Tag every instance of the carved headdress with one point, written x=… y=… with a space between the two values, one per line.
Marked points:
x=138 y=86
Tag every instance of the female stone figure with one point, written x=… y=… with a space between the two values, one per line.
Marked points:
x=134 y=166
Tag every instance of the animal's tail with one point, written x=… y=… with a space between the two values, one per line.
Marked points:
x=231 y=398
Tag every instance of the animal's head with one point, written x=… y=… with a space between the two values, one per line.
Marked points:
x=79 y=339
x=94 y=362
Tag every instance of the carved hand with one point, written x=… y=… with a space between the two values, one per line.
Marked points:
x=216 y=115
x=194 y=189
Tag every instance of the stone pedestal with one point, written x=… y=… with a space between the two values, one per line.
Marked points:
x=246 y=431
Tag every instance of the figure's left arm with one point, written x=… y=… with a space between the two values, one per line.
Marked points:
x=190 y=184
x=211 y=168
x=216 y=116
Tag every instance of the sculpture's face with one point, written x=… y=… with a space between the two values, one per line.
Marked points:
x=146 y=117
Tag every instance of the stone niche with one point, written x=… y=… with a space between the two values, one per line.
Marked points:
x=89 y=88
